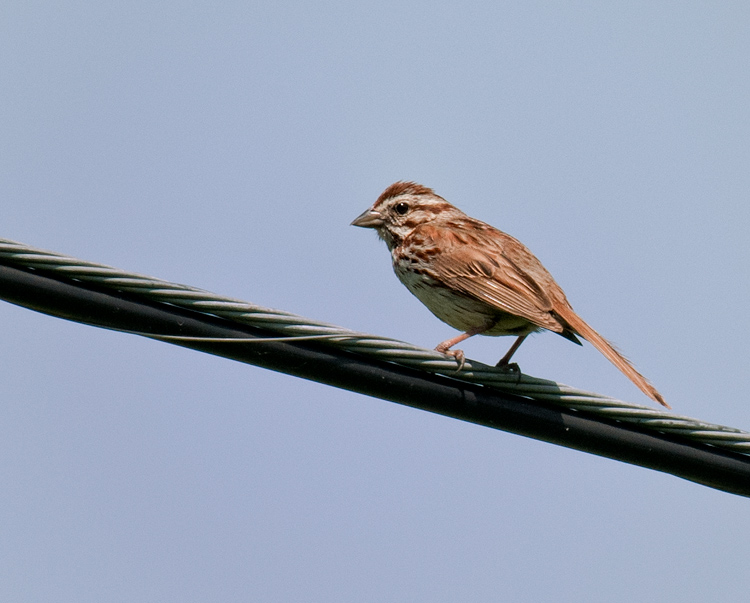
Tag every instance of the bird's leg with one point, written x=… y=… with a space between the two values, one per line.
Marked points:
x=505 y=360
x=445 y=347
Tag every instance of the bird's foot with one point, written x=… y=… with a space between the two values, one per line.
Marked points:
x=508 y=367
x=511 y=368
x=457 y=354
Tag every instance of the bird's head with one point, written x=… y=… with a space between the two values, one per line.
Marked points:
x=401 y=208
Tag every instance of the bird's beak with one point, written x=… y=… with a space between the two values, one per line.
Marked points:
x=369 y=219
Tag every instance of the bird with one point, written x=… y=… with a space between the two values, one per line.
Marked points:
x=476 y=278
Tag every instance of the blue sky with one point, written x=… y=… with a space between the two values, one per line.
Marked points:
x=228 y=146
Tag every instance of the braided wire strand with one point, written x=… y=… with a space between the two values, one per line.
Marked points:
x=292 y=326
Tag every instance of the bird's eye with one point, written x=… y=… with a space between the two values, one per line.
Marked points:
x=401 y=208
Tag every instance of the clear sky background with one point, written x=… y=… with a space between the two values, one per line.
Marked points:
x=228 y=146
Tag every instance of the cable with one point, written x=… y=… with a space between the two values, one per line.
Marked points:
x=106 y=297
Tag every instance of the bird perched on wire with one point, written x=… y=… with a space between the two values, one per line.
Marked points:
x=476 y=278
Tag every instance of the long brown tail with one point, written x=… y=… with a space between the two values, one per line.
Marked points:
x=601 y=344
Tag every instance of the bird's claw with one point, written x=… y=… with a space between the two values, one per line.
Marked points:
x=458 y=355
x=509 y=367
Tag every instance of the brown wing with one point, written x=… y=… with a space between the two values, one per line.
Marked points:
x=497 y=269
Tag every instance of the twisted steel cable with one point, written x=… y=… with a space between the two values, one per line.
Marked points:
x=292 y=327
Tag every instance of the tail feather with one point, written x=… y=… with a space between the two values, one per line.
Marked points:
x=606 y=348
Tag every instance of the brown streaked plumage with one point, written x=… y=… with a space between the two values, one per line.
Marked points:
x=476 y=278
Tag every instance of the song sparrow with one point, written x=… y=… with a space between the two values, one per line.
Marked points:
x=476 y=278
